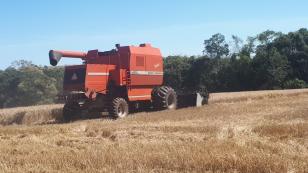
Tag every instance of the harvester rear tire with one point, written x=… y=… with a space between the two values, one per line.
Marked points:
x=164 y=97
x=71 y=111
x=119 y=108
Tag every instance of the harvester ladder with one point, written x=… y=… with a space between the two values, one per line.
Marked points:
x=128 y=78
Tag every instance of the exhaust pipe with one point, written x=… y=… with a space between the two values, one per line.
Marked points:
x=56 y=55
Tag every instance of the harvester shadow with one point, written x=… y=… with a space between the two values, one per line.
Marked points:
x=94 y=116
x=87 y=116
x=103 y=115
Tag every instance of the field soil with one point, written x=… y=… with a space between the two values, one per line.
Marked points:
x=263 y=131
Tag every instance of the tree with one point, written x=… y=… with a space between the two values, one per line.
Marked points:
x=237 y=44
x=270 y=67
x=24 y=84
x=203 y=74
x=56 y=73
x=249 y=47
x=216 y=46
x=176 y=70
x=35 y=87
x=236 y=74
x=268 y=36
x=294 y=84
x=21 y=64
x=9 y=78
x=295 y=46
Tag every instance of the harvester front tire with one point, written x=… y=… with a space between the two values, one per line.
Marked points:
x=119 y=108
x=71 y=111
x=164 y=98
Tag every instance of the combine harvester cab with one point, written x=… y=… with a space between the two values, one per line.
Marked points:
x=118 y=81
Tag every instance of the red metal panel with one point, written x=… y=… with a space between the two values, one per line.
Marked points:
x=97 y=77
x=71 y=54
x=148 y=50
x=140 y=93
x=118 y=76
x=141 y=80
x=152 y=72
x=154 y=63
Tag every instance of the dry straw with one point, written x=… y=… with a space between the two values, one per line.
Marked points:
x=254 y=132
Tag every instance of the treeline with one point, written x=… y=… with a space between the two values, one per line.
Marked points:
x=270 y=60
x=25 y=84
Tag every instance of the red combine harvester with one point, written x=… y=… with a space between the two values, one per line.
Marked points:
x=123 y=79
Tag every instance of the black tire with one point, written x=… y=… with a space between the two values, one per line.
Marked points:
x=164 y=98
x=119 y=108
x=71 y=111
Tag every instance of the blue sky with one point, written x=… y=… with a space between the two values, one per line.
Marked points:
x=28 y=29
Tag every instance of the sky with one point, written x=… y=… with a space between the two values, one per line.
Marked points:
x=29 y=29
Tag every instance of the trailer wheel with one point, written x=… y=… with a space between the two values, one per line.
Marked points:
x=71 y=111
x=119 y=108
x=164 y=98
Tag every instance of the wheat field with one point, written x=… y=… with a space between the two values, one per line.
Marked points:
x=264 y=131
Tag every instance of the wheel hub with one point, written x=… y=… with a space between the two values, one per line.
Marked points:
x=121 y=110
x=170 y=101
